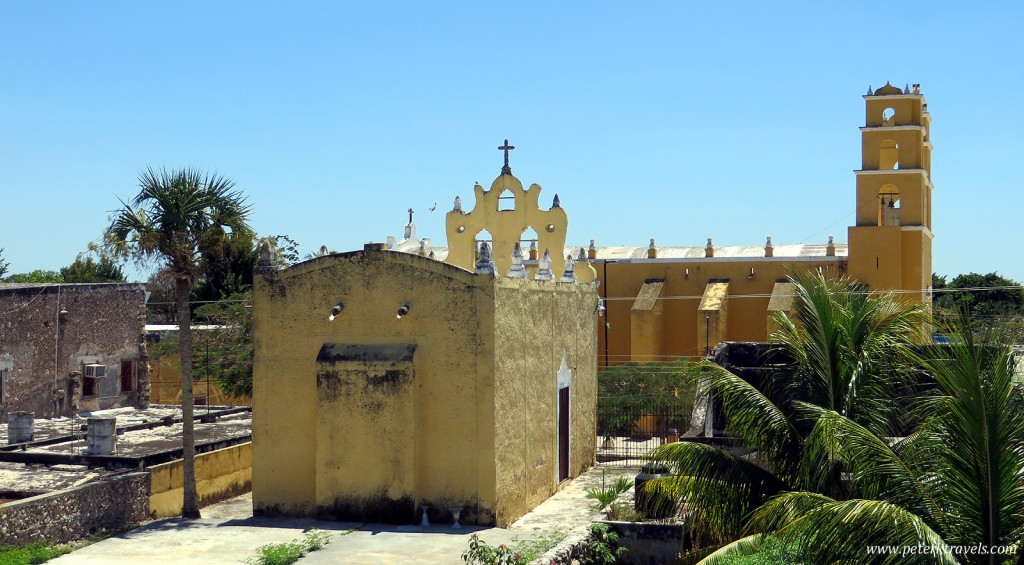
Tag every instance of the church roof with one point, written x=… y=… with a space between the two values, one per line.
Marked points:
x=628 y=253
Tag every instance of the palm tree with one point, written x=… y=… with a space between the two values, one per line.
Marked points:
x=167 y=220
x=850 y=351
x=955 y=483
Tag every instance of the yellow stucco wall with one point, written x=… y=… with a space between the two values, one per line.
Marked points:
x=335 y=441
x=165 y=385
x=536 y=324
x=682 y=326
x=220 y=475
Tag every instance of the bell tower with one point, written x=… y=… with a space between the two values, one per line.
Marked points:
x=891 y=242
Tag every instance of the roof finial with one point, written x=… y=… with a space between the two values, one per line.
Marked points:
x=517 y=271
x=906 y=89
x=569 y=275
x=458 y=205
x=506 y=170
x=484 y=264
x=410 y=216
x=556 y=203
x=870 y=92
x=544 y=268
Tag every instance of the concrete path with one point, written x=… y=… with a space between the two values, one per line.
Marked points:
x=229 y=534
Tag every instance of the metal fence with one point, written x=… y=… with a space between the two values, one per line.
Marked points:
x=630 y=426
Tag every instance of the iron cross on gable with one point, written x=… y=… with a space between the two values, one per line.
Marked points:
x=506 y=170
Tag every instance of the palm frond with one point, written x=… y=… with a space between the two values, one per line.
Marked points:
x=846 y=530
x=873 y=469
x=719 y=488
x=744 y=546
x=983 y=470
x=752 y=417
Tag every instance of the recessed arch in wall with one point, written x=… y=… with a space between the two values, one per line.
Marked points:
x=888 y=155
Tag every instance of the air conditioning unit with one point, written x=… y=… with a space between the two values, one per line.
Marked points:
x=95 y=371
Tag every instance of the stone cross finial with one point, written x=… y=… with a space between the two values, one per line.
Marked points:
x=544 y=268
x=517 y=270
x=570 y=270
x=484 y=264
x=410 y=216
x=506 y=170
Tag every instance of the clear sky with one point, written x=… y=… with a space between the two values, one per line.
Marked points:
x=673 y=120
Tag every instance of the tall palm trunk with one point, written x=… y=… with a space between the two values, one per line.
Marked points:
x=190 y=506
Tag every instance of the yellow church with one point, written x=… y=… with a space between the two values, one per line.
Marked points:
x=669 y=302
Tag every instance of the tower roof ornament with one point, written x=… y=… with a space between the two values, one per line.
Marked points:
x=506 y=170
x=484 y=264
x=517 y=271
x=570 y=270
x=544 y=268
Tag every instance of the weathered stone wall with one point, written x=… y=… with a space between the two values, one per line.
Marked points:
x=43 y=351
x=76 y=513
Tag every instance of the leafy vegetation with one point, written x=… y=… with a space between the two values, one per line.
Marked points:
x=3 y=264
x=993 y=303
x=169 y=220
x=519 y=553
x=35 y=277
x=633 y=389
x=606 y=496
x=287 y=553
x=603 y=547
x=825 y=475
x=770 y=551
x=31 y=554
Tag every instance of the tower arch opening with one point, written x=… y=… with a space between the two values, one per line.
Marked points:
x=529 y=242
x=889 y=205
x=889 y=117
x=506 y=201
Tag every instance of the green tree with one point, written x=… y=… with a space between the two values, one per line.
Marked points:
x=227 y=356
x=3 y=264
x=983 y=296
x=37 y=276
x=227 y=265
x=167 y=220
x=85 y=270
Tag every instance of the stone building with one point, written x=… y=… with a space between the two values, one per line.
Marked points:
x=388 y=383
x=66 y=348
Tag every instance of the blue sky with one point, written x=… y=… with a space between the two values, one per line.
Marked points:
x=674 y=120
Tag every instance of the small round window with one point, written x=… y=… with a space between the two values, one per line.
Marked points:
x=550 y=227
x=460 y=229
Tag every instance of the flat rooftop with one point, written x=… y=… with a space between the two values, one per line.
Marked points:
x=57 y=458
